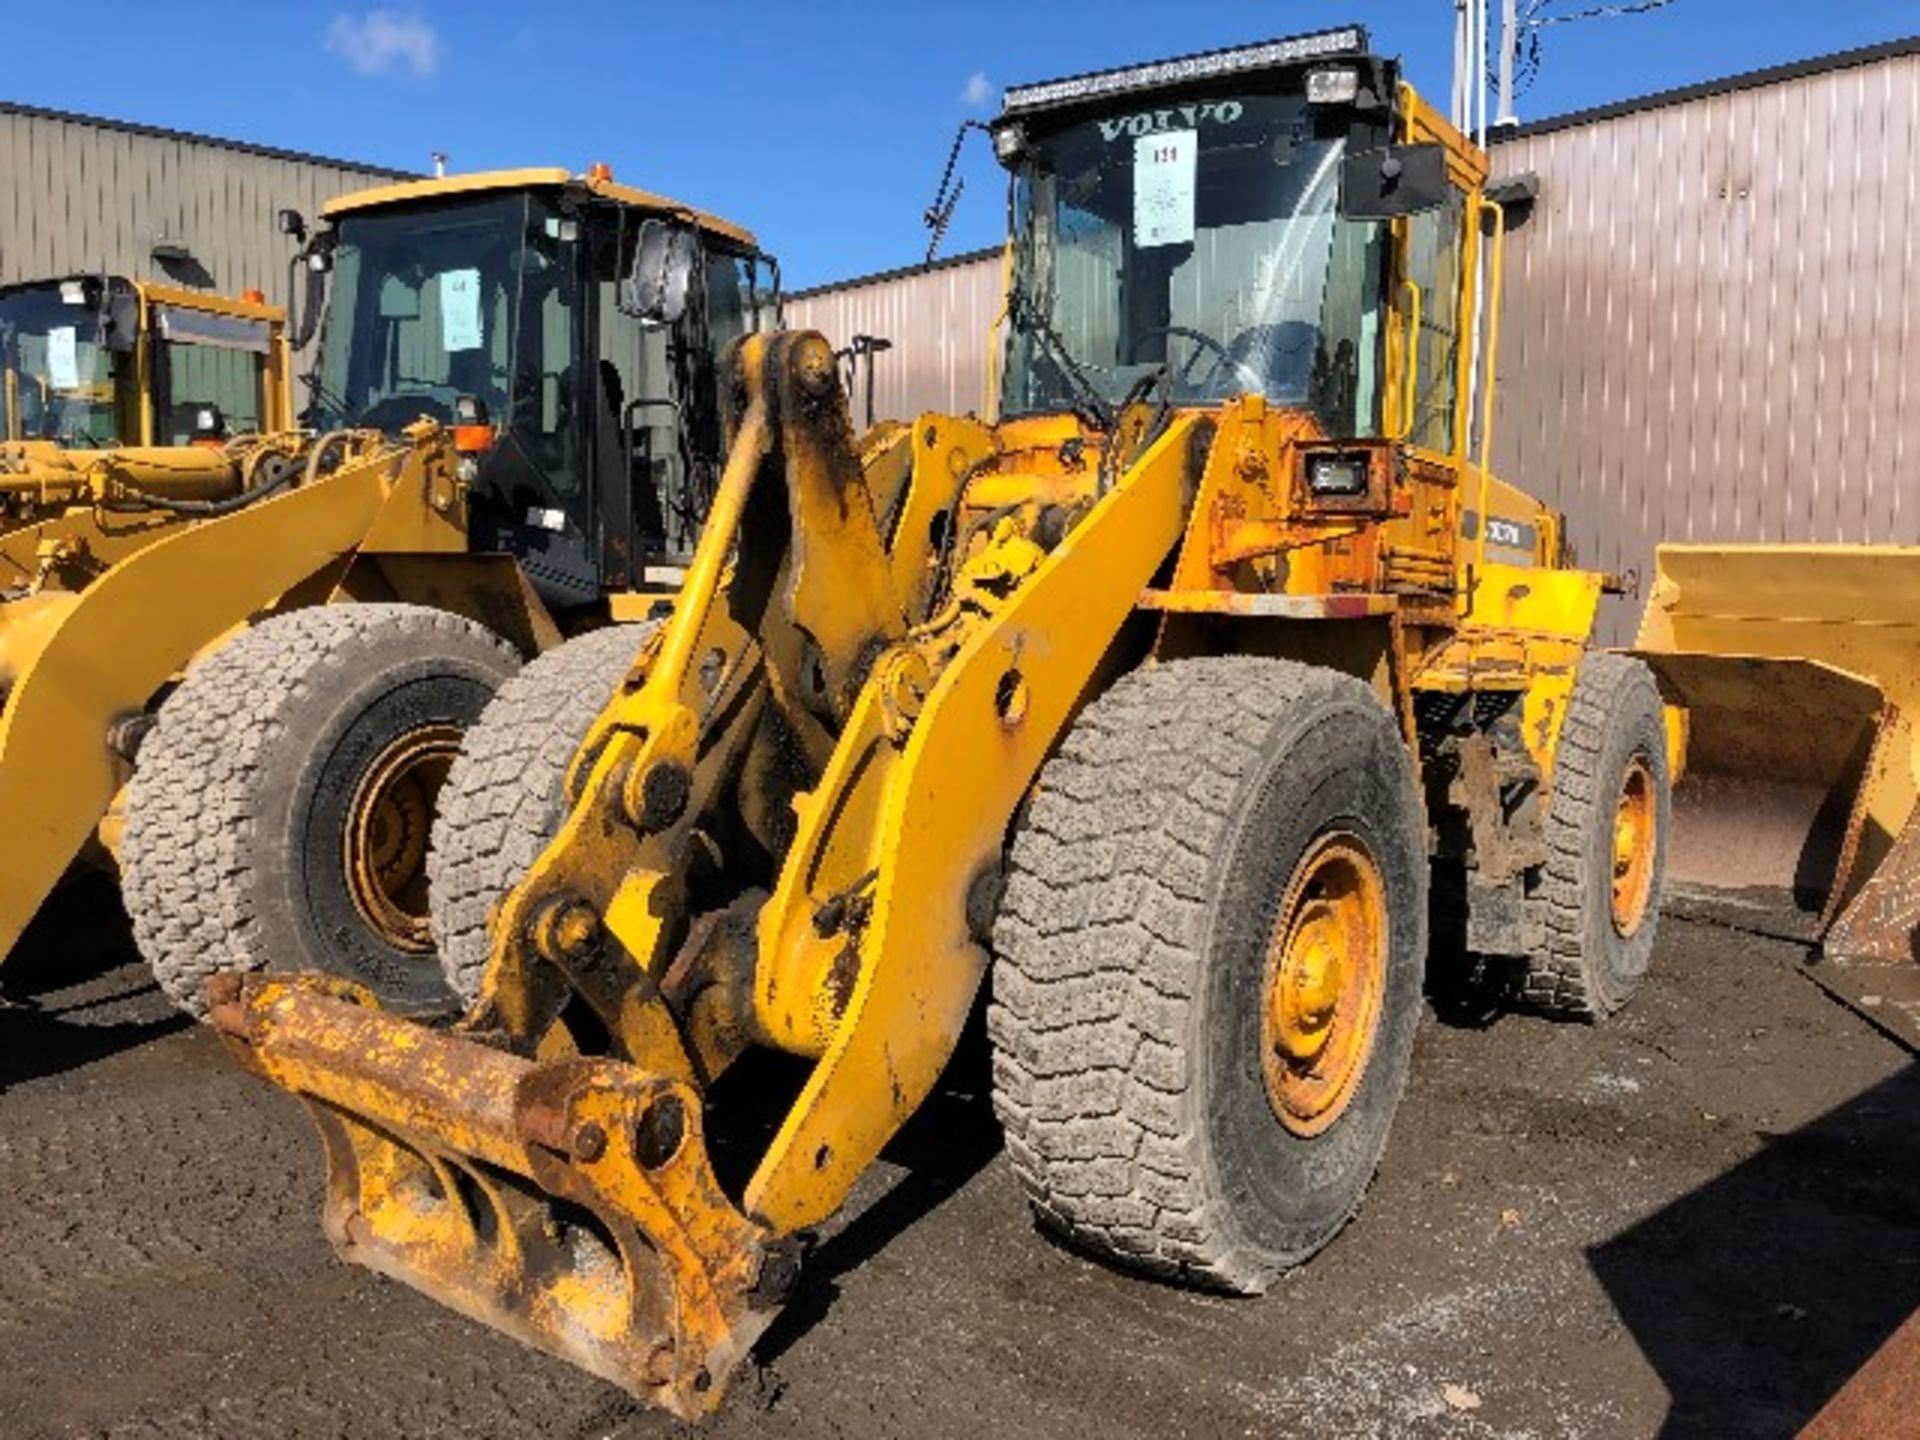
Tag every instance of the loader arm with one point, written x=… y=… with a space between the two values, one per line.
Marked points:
x=796 y=633
x=80 y=661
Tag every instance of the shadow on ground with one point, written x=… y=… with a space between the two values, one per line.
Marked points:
x=72 y=991
x=1758 y=1295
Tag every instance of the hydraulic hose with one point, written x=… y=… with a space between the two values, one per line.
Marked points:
x=278 y=477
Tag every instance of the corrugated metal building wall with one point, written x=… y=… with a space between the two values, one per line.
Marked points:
x=936 y=316
x=1710 y=332
x=1711 y=325
x=79 y=193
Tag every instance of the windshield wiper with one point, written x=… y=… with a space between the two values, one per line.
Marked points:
x=1092 y=406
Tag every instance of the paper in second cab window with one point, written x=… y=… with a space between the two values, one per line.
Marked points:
x=63 y=358
x=460 y=310
x=1163 y=187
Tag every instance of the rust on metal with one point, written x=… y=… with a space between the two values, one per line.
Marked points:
x=569 y=1203
x=1881 y=1399
x=1279 y=607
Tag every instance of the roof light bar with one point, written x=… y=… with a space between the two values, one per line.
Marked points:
x=1348 y=40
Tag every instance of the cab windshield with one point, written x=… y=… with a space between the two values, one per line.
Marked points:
x=1194 y=242
x=429 y=304
x=59 y=379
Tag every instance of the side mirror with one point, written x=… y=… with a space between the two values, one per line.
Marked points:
x=1393 y=182
x=291 y=222
x=666 y=259
x=123 y=321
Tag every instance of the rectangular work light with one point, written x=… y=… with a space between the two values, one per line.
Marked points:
x=1348 y=40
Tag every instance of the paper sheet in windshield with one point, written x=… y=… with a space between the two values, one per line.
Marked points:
x=63 y=358
x=1163 y=186
x=460 y=310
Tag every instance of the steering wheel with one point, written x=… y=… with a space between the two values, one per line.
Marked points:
x=398 y=410
x=1223 y=360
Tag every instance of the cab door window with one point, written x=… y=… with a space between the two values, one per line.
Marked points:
x=204 y=362
x=1434 y=264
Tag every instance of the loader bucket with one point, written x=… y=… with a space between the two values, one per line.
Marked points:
x=569 y=1203
x=1798 y=669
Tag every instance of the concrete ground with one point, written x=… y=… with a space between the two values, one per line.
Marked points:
x=1695 y=1220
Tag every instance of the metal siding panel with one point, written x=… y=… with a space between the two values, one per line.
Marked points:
x=79 y=196
x=1906 y=444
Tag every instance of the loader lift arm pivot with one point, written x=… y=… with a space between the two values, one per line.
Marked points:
x=570 y=1201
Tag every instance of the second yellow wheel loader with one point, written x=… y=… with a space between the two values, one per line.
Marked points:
x=1167 y=705
x=243 y=673
x=98 y=362
x=111 y=387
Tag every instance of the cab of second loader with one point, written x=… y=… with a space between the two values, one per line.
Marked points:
x=510 y=435
x=503 y=305
x=90 y=362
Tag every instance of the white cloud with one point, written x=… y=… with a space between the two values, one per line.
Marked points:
x=381 y=42
x=978 y=90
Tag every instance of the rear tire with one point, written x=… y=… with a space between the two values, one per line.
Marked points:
x=1150 y=888
x=1601 y=923
x=505 y=796
x=309 y=728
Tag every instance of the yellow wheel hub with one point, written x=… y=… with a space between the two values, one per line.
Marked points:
x=1635 y=843
x=1325 y=979
x=388 y=821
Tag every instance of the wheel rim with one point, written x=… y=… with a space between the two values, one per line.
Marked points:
x=1325 y=978
x=1635 y=840
x=388 y=823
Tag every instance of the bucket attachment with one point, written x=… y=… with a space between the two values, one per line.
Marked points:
x=1798 y=669
x=569 y=1204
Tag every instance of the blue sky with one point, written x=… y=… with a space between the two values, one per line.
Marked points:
x=822 y=126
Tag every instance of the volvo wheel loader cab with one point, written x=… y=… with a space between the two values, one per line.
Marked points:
x=1166 y=704
x=505 y=443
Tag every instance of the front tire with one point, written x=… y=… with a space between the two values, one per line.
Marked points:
x=279 y=812
x=1208 y=967
x=505 y=797
x=1607 y=828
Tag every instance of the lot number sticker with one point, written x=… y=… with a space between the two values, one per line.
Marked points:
x=63 y=358
x=460 y=310
x=1163 y=187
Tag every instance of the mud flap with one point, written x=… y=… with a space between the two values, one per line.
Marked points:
x=569 y=1204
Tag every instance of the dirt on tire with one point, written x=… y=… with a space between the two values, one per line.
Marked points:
x=504 y=798
x=224 y=863
x=1130 y=956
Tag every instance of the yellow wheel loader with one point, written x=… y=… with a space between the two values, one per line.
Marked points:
x=99 y=362
x=242 y=672
x=103 y=382
x=1167 y=704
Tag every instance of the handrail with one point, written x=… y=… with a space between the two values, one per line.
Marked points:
x=1492 y=311
x=1410 y=407
x=995 y=342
